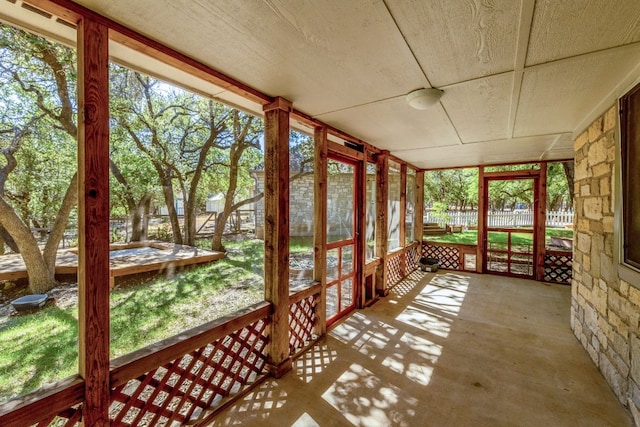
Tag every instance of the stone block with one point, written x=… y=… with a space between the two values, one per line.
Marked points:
x=590 y=318
x=611 y=154
x=585 y=190
x=586 y=262
x=583 y=224
x=618 y=325
x=599 y=300
x=598 y=151
x=595 y=130
x=618 y=360
x=634 y=395
x=608 y=244
x=581 y=303
x=580 y=141
x=587 y=280
x=634 y=294
x=616 y=381
x=584 y=242
x=593 y=208
x=635 y=357
x=605 y=186
x=607 y=269
x=601 y=169
x=593 y=354
x=577 y=262
x=596 y=227
x=607 y=224
x=620 y=305
x=610 y=119
x=624 y=289
x=581 y=171
x=604 y=328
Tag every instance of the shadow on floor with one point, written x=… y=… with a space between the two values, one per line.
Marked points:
x=443 y=349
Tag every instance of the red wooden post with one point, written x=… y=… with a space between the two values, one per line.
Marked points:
x=276 y=231
x=418 y=221
x=403 y=217
x=541 y=220
x=320 y=225
x=482 y=219
x=93 y=219
x=381 y=221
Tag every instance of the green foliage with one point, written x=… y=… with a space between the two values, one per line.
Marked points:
x=470 y=237
x=509 y=194
x=558 y=194
x=42 y=347
x=457 y=188
x=32 y=103
x=441 y=212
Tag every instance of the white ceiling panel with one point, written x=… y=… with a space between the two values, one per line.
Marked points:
x=393 y=125
x=479 y=108
x=441 y=33
x=492 y=152
x=520 y=77
x=568 y=28
x=315 y=53
x=556 y=96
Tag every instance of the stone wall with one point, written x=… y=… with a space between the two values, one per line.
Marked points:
x=340 y=201
x=605 y=310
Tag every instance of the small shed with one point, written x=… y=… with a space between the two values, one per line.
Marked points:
x=215 y=203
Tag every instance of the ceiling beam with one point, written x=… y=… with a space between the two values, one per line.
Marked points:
x=524 y=32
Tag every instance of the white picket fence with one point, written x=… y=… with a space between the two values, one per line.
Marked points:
x=502 y=218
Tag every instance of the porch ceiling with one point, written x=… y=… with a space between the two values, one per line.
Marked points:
x=520 y=78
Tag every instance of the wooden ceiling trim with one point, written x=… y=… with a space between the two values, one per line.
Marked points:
x=73 y=12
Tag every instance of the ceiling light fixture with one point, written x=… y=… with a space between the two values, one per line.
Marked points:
x=423 y=99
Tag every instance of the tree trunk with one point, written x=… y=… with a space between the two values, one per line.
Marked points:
x=57 y=231
x=147 y=213
x=8 y=240
x=139 y=219
x=136 y=225
x=569 y=174
x=190 y=224
x=41 y=278
x=167 y=190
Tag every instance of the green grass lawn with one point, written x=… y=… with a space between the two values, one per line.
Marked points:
x=470 y=237
x=39 y=348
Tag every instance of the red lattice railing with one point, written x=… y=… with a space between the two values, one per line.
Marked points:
x=412 y=258
x=558 y=267
x=303 y=318
x=449 y=256
x=394 y=272
x=68 y=418
x=185 y=388
x=57 y=405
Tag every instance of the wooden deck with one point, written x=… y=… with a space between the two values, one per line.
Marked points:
x=164 y=256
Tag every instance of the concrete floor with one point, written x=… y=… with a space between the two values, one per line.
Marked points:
x=443 y=349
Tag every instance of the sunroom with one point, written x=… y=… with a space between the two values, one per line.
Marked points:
x=339 y=109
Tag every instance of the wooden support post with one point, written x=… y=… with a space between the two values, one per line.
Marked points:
x=418 y=221
x=403 y=218
x=93 y=219
x=359 y=256
x=276 y=231
x=320 y=225
x=381 y=221
x=482 y=218
x=541 y=222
